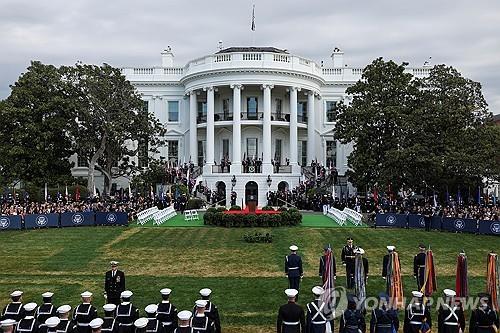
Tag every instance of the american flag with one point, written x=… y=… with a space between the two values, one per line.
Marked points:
x=253 y=18
x=329 y=285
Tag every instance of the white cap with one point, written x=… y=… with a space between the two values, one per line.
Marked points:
x=291 y=292
x=64 y=309
x=113 y=263
x=52 y=322
x=96 y=323
x=141 y=322
x=86 y=294
x=47 y=294
x=201 y=303
x=317 y=290
x=151 y=308
x=166 y=291
x=359 y=251
x=449 y=292
x=184 y=315
x=205 y=292
x=30 y=306
x=126 y=294
x=16 y=293
x=417 y=294
x=391 y=247
x=109 y=307
x=293 y=248
x=7 y=323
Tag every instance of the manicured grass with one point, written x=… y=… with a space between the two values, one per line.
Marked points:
x=247 y=279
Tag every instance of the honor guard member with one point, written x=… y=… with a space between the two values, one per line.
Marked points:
x=348 y=257
x=291 y=318
x=14 y=310
x=184 y=325
x=384 y=319
x=114 y=283
x=419 y=266
x=167 y=312
x=51 y=324
x=322 y=262
x=65 y=325
x=317 y=318
x=352 y=319
x=484 y=319
x=385 y=261
x=200 y=323
x=154 y=325
x=293 y=268
x=417 y=315
x=109 y=324
x=211 y=309
x=126 y=313
x=8 y=325
x=366 y=270
x=47 y=309
x=28 y=324
x=451 y=318
x=96 y=325
x=84 y=313
x=140 y=325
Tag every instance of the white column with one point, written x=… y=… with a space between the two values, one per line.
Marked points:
x=266 y=130
x=193 y=133
x=293 y=126
x=311 y=149
x=236 y=162
x=210 y=129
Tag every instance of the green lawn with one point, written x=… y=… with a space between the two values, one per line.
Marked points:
x=247 y=279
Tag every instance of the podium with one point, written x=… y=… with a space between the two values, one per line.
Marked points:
x=252 y=203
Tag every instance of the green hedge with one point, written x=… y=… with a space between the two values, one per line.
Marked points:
x=258 y=237
x=194 y=203
x=285 y=218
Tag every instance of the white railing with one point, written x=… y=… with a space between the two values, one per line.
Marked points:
x=146 y=215
x=303 y=61
x=332 y=71
x=222 y=57
x=281 y=58
x=421 y=71
x=173 y=70
x=252 y=56
x=353 y=216
x=144 y=71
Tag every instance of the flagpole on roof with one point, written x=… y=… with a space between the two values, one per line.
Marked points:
x=253 y=25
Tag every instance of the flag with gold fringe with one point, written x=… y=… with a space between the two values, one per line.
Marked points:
x=430 y=283
x=394 y=281
x=493 y=279
x=462 y=278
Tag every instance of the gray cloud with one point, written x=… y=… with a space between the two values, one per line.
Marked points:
x=463 y=34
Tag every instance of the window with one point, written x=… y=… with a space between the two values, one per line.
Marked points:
x=277 y=150
x=173 y=111
x=145 y=106
x=82 y=162
x=225 y=148
x=201 y=153
x=252 y=151
x=279 y=115
x=331 y=153
x=142 y=153
x=331 y=110
x=302 y=112
x=252 y=108
x=173 y=151
x=225 y=109
x=303 y=154
x=202 y=112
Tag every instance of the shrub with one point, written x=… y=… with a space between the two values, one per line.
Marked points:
x=235 y=207
x=221 y=209
x=258 y=237
x=267 y=208
x=195 y=203
x=218 y=218
x=283 y=209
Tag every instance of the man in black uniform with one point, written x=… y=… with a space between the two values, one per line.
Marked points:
x=141 y=325
x=47 y=309
x=417 y=315
x=291 y=318
x=126 y=313
x=166 y=311
x=419 y=266
x=66 y=325
x=114 y=283
x=184 y=322
x=318 y=313
x=427 y=217
x=200 y=323
x=211 y=309
x=28 y=324
x=451 y=318
x=352 y=319
x=8 y=325
x=322 y=262
x=109 y=324
x=51 y=324
x=293 y=269
x=84 y=313
x=384 y=319
x=154 y=325
x=484 y=319
x=348 y=257
x=14 y=310
x=96 y=325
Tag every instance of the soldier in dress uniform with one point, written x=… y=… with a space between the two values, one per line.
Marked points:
x=184 y=325
x=419 y=266
x=96 y=325
x=109 y=324
x=318 y=314
x=126 y=313
x=47 y=309
x=114 y=283
x=291 y=318
x=417 y=315
x=293 y=269
x=348 y=257
x=14 y=310
x=451 y=318
x=211 y=309
x=66 y=325
x=167 y=312
x=484 y=319
x=28 y=324
x=8 y=325
x=352 y=319
x=140 y=325
x=384 y=319
x=200 y=323
x=154 y=325
x=51 y=324
x=322 y=261
x=84 y=313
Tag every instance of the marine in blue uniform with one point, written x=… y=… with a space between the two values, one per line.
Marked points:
x=319 y=315
x=291 y=318
x=384 y=319
x=352 y=319
x=167 y=312
x=14 y=310
x=417 y=315
x=293 y=269
x=109 y=324
x=451 y=318
x=84 y=313
x=126 y=313
x=484 y=319
x=419 y=266
x=47 y=309
x=28 y=324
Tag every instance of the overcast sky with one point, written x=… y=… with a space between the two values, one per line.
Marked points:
x=461 y=33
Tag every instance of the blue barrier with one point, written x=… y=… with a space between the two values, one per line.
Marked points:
x=416 y=221
x=436 y=222
x=391 y=220
x=41 y=221
x=458 y=224
x=70 y=219
x=489 y=227
x=11 y=222
x=111 y=218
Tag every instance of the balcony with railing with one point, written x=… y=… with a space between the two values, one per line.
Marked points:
x=220 y=168
x=283 y=169
x=302 y=118
x=251 y=169
x=280 y=116
x=223 y=116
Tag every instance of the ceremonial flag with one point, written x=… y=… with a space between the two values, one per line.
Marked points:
x=462 y=279
x=493 y=279
x=375 y=195
x=435 y=199
x=46 y=192
x=66 y=192
x=394 y=281
x=253 y=19
x=430 y=283
x=129 y=191
x=152 y=193
x=360 y=280
x=329 y=283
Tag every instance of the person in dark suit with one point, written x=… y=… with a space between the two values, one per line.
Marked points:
x=293 y=269
x=291 y=317
x=419 y=266
x=114 y=284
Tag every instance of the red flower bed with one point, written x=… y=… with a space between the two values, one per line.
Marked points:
x=246 y=211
